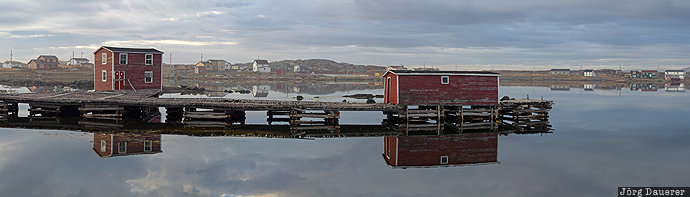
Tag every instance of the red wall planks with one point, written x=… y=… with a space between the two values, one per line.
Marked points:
x=427 y=89
x=98 y=83
x=134 y=71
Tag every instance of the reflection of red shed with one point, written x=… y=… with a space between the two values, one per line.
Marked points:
x=408 y=87
x=119 y=144
x=127 y=68
x=419 y=151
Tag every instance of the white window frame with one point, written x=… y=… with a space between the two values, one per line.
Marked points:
x=104 y=58
x=104 y=75
x=126 y=58
x=444 y=157
x=146 y=59
x=148 y=148
x=447 y=79
x=103 y=145
x=147 y=72
x=120 y=146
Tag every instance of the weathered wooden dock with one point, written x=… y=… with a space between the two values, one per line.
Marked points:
x=109 y=109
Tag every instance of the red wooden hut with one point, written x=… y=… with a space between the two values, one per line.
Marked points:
x=120 y=144
x=127 y=68
x=440 y=150
x=407 y=87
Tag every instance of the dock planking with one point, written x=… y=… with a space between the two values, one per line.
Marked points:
x=150 y=98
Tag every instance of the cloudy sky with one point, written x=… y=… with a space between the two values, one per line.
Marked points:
x=468 y=33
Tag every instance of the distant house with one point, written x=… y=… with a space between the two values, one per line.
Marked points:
x=674 y=74
x=425 y=69
x=560 y=71
x=44 y=62
x=218 y=65
x=119 y=68
x=35 y=64
x=121 y=144
x=649 y=74
x=634 y=74
x=589 y=87
x=12 y=64
x=445 y=150
x=49 y=58
x=77 y=61
x=202 y=67
x=261 y=66
x=296 y=69
x=589 y=73
x=389 y=68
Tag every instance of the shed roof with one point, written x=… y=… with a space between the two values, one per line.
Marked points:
x=428 y=72
x=79 y=58
x=131 y=50
x=589 y=70
x=261 y=61
x=675 y=70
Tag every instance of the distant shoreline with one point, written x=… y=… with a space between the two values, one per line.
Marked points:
x=83 y=79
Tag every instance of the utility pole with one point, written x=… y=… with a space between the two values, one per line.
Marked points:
x=202 y=57
x=170 y=58
x=11 y=54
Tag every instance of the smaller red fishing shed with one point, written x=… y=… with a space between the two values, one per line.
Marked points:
x=407 y=87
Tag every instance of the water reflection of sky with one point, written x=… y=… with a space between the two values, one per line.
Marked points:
x=275 y=95
x=601 y=141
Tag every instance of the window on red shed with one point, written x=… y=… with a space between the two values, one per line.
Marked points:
x=149 y=59
x=445 y=80
x=148 y=76
x=123 y=58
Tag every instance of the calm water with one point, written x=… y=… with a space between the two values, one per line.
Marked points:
x=603 y=139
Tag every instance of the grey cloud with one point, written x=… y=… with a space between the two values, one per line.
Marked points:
x=515 y=32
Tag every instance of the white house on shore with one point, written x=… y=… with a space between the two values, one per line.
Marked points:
x=12 y=64
x=261 y=66
x=674 y=74
x=589 y=73
x=75 y=61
